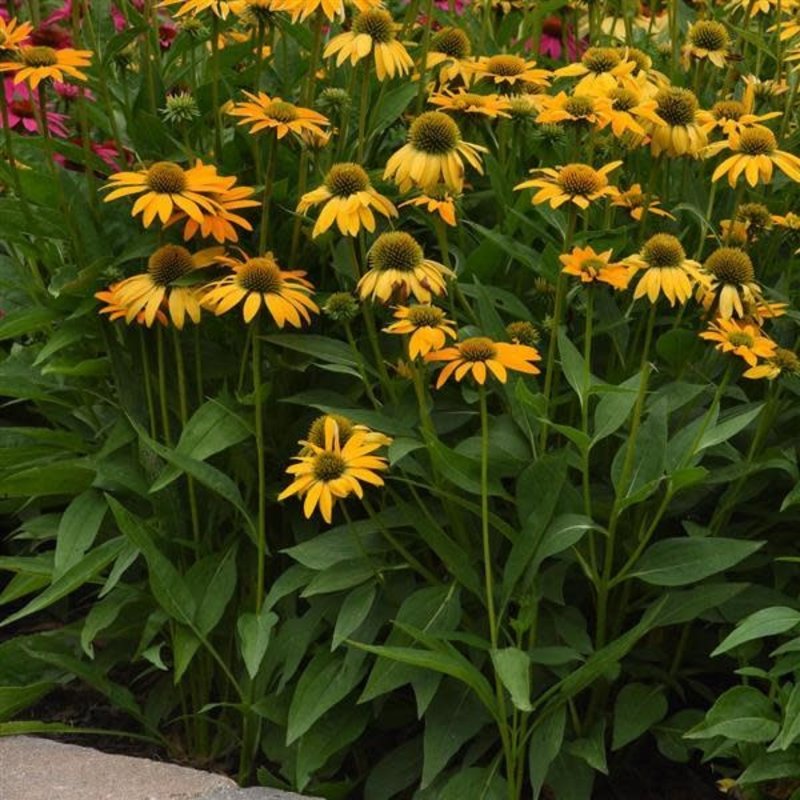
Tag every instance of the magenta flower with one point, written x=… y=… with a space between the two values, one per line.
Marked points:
x=21 y=113
x=554 y=34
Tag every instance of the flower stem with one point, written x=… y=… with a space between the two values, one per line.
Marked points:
x=148 y=386
x=587 y=372
x=561 y=291
x=215 y=106
x=269 y=177
x=183 y=405
x=162 y=385
x=362 y=112
x=487 y=553
x=258 y=412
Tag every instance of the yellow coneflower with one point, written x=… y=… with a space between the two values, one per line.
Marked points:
x=36 y=64
x=316 y=432
x=427 y=325
x=375 y=32
x=13 y=34
x=436 y=201
x=464 y=102
x=399 y=269
x=627 y=109
x=263 y=112
x=449 y=47
x=301 y=10
x=220 y=223
x=118 y=310
x=435 y=153
x=635 y=201
x=790 y=221
x=348 y=199
x=789 y=28
x=756 y=217
x=574 y=183
x=754 y=7
x=733 y=233
x=740 y=338
x=681 y=134
x=576 y=109
x=765 y=89
x=506 y=71
x=257 y=282
x=600 y=69
x=592 y=267
x=709 y=40
x=334 y=471
x=782 y=361
x=666 y=270
x=165 y=188
x=166 y=267
x=732 y=115
x=220 y=8
x=755 y=154
x=481 y=357
x=732 y=287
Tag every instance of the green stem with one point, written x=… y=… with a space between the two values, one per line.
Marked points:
x=362 y=112
x=162 y=385
x=361 y=367
x=258 y=412
x=423 y=71
x=487 y=553
x=266 y=200
x=183 y=405
x=148 y=386
x=561 y=293
x=10 y=156
x=586 y=454
x=215 y=105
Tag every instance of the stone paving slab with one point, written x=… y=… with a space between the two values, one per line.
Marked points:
x=39 y=769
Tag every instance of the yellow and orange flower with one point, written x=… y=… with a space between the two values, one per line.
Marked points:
x=427 y=325
x=162 y=287
x=781 y=361
x=464 y=102
x=576 y=109
x=635 y=200
x=334 y=470
x=731 y=288
x=375 y=32
x=38 y=63
x=482 y=357
x=301 y=10
x=219 y=223
x=399 y=270
x=574 y=183
x=166 y=188
x=740 y=338
x=13 y=35
x=755 y=153
x=435 y=153
x=593 y=267
x=708 y=40
x=259 y=282
x=348 y=199
x=436 y=201
x=220 y=8
x=600 y=70
x=666 y=270
x=263 y=112
x=506 y=71
x=681 y=132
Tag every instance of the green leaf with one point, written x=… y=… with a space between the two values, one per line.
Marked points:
x=513 y=667
x=88 y=568
x=637 y=708
x=103 y=614
x=326 y=681
x=25 y=321
x=168 y=586
x=766 y=622
x=545 y=745
x=684 y=606
x=77 y=529
x=790 y=730
x=729 y=427
x=211 y=429
x=676 y=562
x=216 y=592
x=462 y=471
x=353 y=611
x=650 y=457
x=453 y=718
x=60 y=477
x=770 y=767
x=592 y=748
x=254 y=631
x=574 y=366
x=343 y=575
x=614 y=407
x=320 y=348
x=14 y=699
x=742 y=714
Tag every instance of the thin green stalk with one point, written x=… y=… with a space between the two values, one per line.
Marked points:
x=586 y=456
x=198 y=366
x=316 y=47
x=215 y=104
x=423 y=70
x=360 y=363
x=9 y=146
x=148 y=386
x=363 y=109
x=183 y=405
x=162 y=386
x=258 y=411
x=266 y=200
x=561 y=293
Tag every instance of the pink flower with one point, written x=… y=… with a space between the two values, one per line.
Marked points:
x=21 y=113
x=106 y=151
x=167 y=30
x=459 y=5
x=70 y=91
x=51 y=36
x=552 y=40
x=61 y=14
